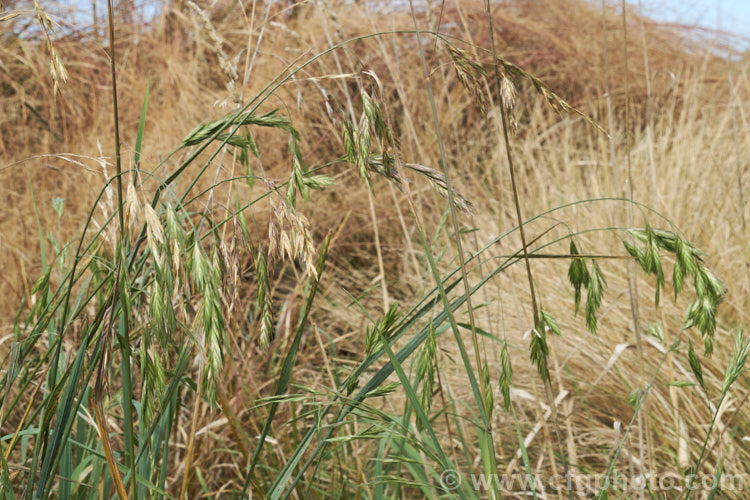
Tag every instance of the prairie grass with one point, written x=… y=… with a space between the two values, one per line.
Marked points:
x=305 y=272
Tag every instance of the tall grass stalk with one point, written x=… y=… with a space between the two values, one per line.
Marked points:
x=519 y=219
x=482 y=392
x=633 y=279
x=736 y=135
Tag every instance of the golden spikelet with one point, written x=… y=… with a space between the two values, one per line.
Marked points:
x=289 y=236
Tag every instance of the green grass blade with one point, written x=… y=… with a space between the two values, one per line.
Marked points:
x=286 y=369
x=141 y=128
x=421 y=415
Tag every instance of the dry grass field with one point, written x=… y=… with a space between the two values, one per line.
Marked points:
x=291 y=262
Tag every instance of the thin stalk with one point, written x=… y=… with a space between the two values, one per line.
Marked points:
x=736 y=134
x=610 y=112
x=602 y=492
x=441 y=391
x=94 y=21
x=168 y=417
x=282 y=382
x=127 y=395
x=114 y=114
x=649 y=110
x=652 y=164
x=421 y=415
x=519 y=216
x=491 y=100
x=689 y=488
x=524 y=452
x=479 y=389
x=547 y=385
x=285 y=482
x=19 y=427
x=51 y=338
x=378 y=250
x=124 y=313
x=170 y=398
x=633 y=278
x=191 y=441
x=104 y=342
x=43 y=440
x=79 y=256
x=451 y=206
x=370 y=197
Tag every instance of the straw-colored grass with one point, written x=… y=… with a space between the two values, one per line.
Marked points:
x=261 y=308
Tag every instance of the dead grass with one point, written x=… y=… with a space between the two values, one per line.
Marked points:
x=561 y=160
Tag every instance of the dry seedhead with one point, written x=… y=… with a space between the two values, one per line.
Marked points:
x=471 y=75
x=228 y=67
x=177 y=237
x=289 y=236
x=437 y=180
x=154 y=234
x=231 y=263
x=133 y=209
x=289 y=232
x=106 y=206
x=56 y=67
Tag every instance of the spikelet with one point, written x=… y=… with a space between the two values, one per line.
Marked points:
x=56 y=67
x=106 y=206
x=154 y=233
x=289 y=236
x=227 y=66
x=263 y=302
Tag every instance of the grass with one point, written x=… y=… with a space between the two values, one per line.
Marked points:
x=332 y=250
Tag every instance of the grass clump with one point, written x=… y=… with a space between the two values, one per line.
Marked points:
x=312 y=273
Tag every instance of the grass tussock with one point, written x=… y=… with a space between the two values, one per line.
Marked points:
x=304 y=273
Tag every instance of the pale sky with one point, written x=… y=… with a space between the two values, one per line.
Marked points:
x=729 y=15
